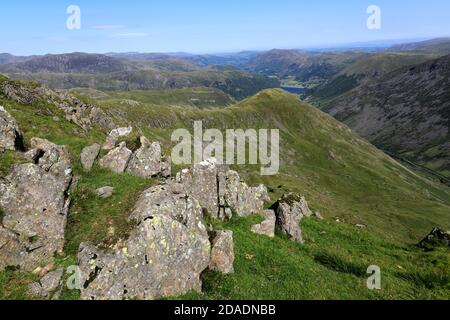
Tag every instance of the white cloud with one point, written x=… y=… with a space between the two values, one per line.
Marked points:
x=130 y=35
x=109 y=26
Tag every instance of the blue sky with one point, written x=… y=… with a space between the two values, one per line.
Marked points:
x=206 y=26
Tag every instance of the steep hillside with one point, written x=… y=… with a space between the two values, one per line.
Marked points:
x=405 y=112
x=345 y=178
x=369 y=66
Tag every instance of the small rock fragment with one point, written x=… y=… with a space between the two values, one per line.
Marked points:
x=88 y=156
x=222 y=252
x=47 y=285
x=114 y=136
x=105 y=192
x=267 y=227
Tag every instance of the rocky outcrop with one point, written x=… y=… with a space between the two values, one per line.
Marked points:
x=147 y=161
x=267 y=227
x=242 y=199
x=201 y=183
x=89 y=155
x=220 y=192
x=222 y=252
x=34 y=200
x=10 y=135
x=164 y=255
x=290 y=210
x=114 y=135
x=117 y=159
x=83 y=115
x=436 y=238
x=46 y=287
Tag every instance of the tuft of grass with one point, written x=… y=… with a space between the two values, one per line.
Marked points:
x=97 y=220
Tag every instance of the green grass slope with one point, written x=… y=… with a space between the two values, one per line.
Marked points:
x=340 y=174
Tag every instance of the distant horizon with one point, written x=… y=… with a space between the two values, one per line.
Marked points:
x=207 y=27
x=379 y=44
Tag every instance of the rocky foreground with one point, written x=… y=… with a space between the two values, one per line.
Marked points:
x=170 y=245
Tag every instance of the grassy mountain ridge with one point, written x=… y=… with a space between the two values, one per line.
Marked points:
x=340 y=174
x=317 y=154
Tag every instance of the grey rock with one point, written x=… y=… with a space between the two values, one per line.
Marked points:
x=89 y=155
x=317 y=215
x=12 y=252
x=222 y=252
x=10 y=135
x=290 y=210
x=114 y=135
x=164 y=255
x=436 y=238
x=267 y=227
x=201 y=183
x=166 y=166
x=242 y=199
x=117 y=159
x=147 y=160
x=104 y=192
x=99 y=117
x=47 y=285
x=170 y=200
x=220 y=192
x=34 y=200
x=51 y=157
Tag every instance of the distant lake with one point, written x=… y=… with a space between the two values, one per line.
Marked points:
x=294 y=90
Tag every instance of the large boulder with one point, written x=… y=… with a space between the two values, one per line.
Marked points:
x=10 y=135
x=290 y=210
x=51 y=157
x=222 y=252
x=117 y=159
x=89 y=155
x=114 y=135
x=147 y=160
x=201 y=183
x=241 y=198
x=163 y=257
x=33 y=198
x=220 y=192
